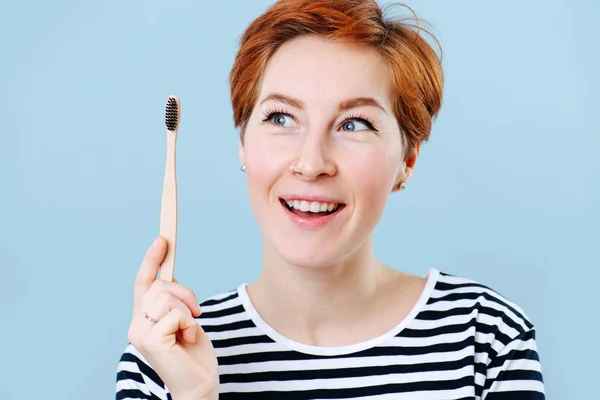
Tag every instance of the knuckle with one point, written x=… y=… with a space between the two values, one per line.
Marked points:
x=189 y=295
x=164 y=297
x=183 y=316
x=178 y=313
x=158 y=285
x=181 y=292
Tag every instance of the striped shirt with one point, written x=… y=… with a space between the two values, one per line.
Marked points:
x=462 y=340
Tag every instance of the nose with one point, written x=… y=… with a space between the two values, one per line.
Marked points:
x=315 y=159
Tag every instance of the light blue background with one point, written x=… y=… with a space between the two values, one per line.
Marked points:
x=506 y=192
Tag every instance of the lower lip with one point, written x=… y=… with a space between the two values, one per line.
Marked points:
x=311 y=223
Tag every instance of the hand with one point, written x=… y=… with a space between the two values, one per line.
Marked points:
x=173 y=343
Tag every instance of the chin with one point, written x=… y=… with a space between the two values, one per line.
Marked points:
x=308 y=255
x=305 y=261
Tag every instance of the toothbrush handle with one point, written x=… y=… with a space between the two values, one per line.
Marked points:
x=168 y=212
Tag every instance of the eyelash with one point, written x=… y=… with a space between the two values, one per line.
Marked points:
x=268 y=114
x=272 y=111
x=361 y=118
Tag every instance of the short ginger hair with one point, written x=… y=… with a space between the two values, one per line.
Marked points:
x=415 y=68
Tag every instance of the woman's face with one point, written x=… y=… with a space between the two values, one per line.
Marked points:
x=325 y=107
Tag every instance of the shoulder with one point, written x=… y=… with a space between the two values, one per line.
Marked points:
x=492 y=312
x=219 y=300
x=224 y=311
x=221 y=304
x=504 y=338
x=135 y=377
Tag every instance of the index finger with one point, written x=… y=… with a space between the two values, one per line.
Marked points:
x=149 y=270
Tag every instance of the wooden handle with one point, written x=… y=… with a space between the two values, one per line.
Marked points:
x=168 y=212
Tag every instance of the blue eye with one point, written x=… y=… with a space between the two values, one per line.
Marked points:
x=281 y=119
x=356 y=125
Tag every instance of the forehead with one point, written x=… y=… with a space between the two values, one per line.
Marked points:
x=318 y=70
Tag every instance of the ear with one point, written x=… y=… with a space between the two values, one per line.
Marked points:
x=406 y=170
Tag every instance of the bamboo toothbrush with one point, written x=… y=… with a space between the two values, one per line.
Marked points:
x=168 y=212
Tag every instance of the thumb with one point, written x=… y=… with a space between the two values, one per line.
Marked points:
x=148 y=271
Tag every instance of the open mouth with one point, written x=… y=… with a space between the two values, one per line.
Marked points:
x=311 y=209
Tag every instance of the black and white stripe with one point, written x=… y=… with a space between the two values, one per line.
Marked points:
x=461 y=341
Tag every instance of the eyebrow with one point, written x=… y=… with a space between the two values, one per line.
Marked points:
x=361 y=102
x=343 y=106
x=285 y=100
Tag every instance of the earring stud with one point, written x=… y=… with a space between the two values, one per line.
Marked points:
x=243 y=168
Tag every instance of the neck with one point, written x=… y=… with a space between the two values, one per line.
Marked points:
x=303 y=303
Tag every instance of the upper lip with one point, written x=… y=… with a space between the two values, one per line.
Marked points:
x=311 y=198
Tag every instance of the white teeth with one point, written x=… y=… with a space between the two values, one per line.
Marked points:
x=313 y=206
x=304 y=206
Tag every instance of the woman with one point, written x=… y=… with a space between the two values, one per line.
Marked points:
x=332 y=102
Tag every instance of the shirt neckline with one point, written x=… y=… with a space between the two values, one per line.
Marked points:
x=432 y=278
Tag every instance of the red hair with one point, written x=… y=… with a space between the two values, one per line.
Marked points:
x=415 y=68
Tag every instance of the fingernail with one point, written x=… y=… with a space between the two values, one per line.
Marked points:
x=155 y=241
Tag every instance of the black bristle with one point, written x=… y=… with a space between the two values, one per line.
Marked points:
x=171 y=114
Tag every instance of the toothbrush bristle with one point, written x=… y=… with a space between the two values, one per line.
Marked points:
x=172 y=113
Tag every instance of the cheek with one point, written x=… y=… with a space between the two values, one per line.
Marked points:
x=265 y=163
x=263 y=157
x=258 y=168
x=373 y=177
x=270 y=151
